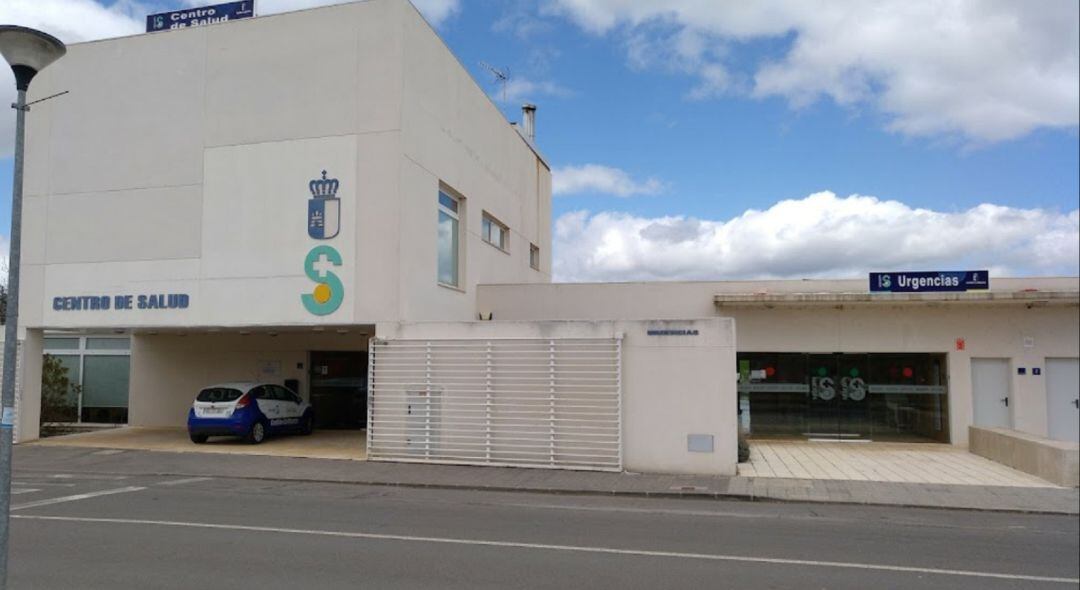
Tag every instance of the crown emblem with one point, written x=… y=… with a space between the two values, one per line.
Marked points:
x=326 y=188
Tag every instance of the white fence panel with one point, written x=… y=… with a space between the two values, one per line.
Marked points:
x=554 y=403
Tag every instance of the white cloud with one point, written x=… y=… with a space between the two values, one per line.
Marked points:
x=437 y=11
x=983 y=70
x=519 y=89
x=598 y=179
x=4 y=244
x=821 y=235
x=68 y=20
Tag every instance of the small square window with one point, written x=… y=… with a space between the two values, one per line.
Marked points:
x=494 y=232
x=534 y=256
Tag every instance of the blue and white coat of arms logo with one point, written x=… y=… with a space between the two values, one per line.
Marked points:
x=324 y=208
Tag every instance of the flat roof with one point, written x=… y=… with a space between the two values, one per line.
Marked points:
x=1030 y=298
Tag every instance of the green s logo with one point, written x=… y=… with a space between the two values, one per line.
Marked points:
x=326 y=297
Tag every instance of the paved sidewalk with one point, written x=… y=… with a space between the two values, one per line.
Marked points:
x=322 y=444
x=52 y=459
x=880 y=461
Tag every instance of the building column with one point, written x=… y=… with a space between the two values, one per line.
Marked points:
x=28 y=391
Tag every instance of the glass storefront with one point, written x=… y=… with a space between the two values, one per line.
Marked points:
x=98 y=368
x=883 y=397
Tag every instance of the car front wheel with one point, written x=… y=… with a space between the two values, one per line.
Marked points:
x=308 y=425
x=257 y=433
x=198 y=438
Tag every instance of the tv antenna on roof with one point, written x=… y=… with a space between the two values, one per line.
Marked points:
x=501 y=76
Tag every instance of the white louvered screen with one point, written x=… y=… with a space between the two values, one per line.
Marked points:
x=515 y=402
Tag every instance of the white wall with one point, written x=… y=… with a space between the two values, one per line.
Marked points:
x=180 y=162
x=168 y=370
x=672 y=386
x=453 y=134
x=988 y=330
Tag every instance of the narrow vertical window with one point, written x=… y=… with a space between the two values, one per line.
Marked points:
x=448 y=239
x=534 y=256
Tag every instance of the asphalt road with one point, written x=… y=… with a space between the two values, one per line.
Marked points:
x=79 y=530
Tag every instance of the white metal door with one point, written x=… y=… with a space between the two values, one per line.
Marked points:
x=552 y=403
x=990 y=391
x=1063 y=399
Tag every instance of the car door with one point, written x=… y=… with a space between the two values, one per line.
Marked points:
x=268 y=405
x=291 y=406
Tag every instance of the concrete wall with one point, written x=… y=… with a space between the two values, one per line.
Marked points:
x=1053 y=460
x=453 y=135
x=673 y=386
x=1025 y=335
x=180 y=162
x=27 y=385
x=168 y=370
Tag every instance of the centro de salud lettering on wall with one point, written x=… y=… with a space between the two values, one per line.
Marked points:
x=121 y=302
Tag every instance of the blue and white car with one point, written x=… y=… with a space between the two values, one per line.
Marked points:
x=249 y=410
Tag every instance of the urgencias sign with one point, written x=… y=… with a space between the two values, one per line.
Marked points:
x=929 y=281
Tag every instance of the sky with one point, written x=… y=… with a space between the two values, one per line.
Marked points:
x=699 y=139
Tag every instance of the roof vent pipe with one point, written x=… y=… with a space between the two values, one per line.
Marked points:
x=528 y=120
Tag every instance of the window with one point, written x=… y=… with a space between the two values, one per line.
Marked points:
x=218 y=394
x=494 y=232
x=534 y=256
x=448 y=239
x=100 y=366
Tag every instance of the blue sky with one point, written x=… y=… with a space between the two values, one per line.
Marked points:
x=665 y=122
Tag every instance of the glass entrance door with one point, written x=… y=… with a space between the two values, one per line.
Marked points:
x=836 y=403
x=339 y=389
x=846 y=396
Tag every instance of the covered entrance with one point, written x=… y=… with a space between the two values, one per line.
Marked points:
x=844 y=396
x=339 y=389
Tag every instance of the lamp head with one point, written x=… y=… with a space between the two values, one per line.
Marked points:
x=28 y=51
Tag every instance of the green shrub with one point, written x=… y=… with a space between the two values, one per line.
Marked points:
x=744 y=448
x=58 y=392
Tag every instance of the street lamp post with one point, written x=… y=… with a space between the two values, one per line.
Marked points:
x=28 y=51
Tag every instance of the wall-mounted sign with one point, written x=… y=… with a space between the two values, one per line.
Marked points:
x=323 y=223
x=932 y=281
x=667 y=332
x=121 y=302
x=324 y=208
x=197 y=17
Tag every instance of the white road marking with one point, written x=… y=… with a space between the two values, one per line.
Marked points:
x=177 y=482
x=86 y=476
x=77 y=497
x=17 y=491
x=569 y=548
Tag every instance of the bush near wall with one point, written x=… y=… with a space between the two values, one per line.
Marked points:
x=57 y=392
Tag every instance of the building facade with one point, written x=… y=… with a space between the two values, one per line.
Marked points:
x=235 y=197
x=327 y=200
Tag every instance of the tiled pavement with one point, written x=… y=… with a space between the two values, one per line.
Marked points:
x=880 y=462
x=323 y=444
x=54 y=458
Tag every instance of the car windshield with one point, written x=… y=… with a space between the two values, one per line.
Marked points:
x=219 y=394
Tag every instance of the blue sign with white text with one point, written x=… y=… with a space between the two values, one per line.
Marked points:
x=929 y=281
x=197 y=17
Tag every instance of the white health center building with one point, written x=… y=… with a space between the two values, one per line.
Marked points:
x=327 y=200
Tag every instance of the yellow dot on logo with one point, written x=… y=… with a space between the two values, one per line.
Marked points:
x=322 y=293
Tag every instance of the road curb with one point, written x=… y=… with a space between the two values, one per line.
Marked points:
x=681 y=495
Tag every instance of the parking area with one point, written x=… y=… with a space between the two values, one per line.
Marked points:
x=921 y=463
x=322 y=444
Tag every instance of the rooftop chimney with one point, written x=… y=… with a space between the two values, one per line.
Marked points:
x=528 y=121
